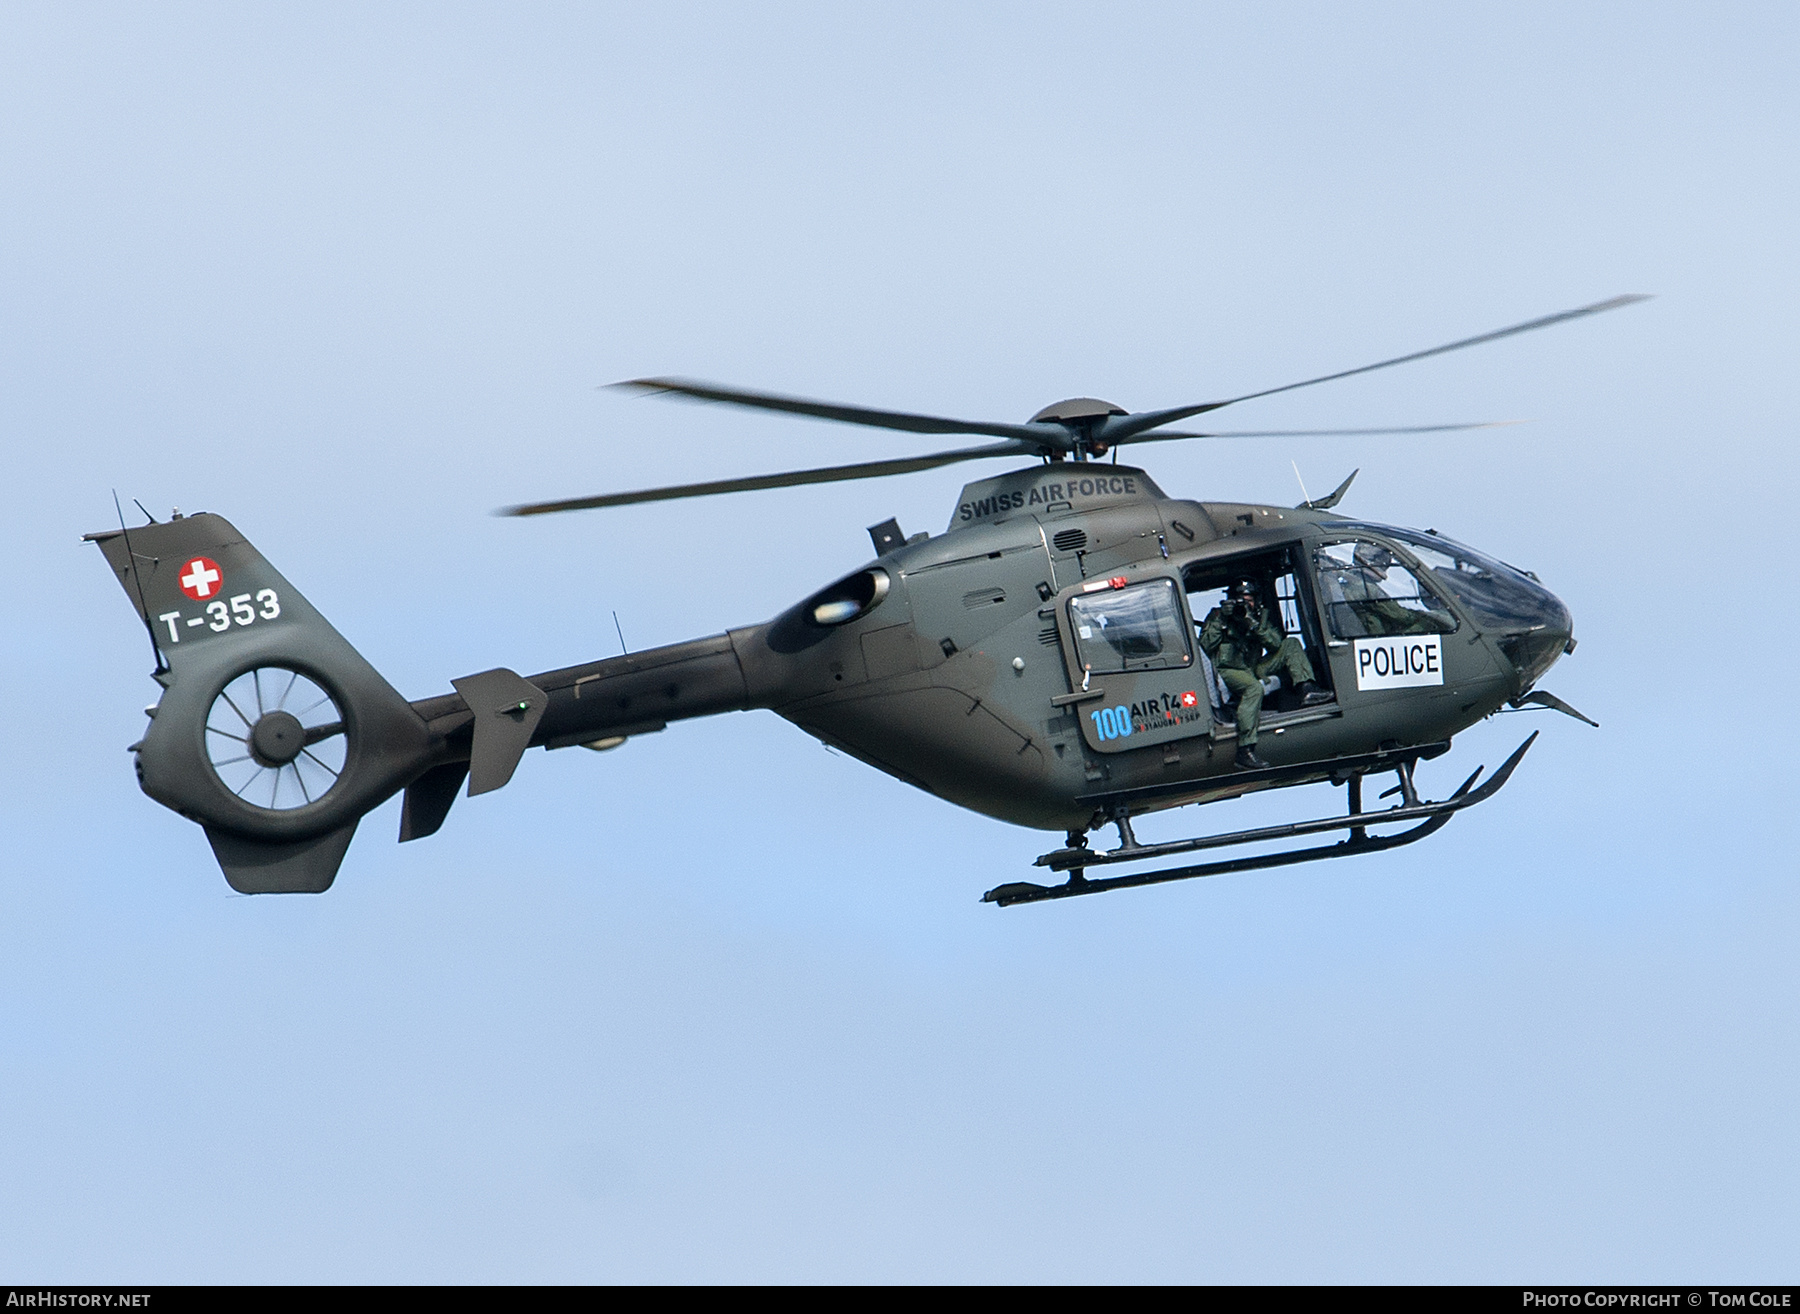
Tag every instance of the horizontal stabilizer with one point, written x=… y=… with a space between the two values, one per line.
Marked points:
x=302 y=867
x=507 y=708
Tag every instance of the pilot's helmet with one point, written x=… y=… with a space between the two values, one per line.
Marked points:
x=1373 y=556
x=1242 y=588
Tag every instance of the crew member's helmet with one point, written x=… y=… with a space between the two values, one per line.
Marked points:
x=1373 y=556
x=1242 y=588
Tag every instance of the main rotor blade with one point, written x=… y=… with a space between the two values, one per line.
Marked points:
x=788 y=479
x=1165 y=435
x=1119 y=428
x=1045 y=435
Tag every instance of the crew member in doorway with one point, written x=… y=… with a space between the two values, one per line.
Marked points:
x=1245 y=647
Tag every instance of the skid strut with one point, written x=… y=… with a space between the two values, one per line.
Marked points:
x=1077 y=858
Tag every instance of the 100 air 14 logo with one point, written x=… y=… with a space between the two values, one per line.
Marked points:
x=1157 y=713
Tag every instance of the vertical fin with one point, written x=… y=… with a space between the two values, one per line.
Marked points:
x=428 y=800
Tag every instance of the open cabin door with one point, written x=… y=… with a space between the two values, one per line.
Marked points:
x=1276 y=578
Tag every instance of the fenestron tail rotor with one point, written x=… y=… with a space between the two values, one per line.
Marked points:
x=275 y=738
x=1082 y=428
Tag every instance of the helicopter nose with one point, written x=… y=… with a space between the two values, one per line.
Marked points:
x=1539 y=631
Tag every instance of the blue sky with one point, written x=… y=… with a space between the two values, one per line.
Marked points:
x=723 y=1005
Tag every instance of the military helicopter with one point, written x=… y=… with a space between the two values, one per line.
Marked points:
x=1036 y=662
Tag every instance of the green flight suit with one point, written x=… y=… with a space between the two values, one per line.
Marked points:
x=1380 y=614
x=1243 y=651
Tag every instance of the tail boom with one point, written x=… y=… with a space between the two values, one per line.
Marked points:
x=483 y=729
x=223 y=619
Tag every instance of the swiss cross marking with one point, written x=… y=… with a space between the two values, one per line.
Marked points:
x=200 y=578
x=1190 y=698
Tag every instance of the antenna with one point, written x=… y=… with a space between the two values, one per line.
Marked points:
x=623 y=650
x=1305 y=497
x=137 y=581
x=140 y=506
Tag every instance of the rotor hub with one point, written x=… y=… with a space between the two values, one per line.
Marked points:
x=1077 y=409
x=277 y=738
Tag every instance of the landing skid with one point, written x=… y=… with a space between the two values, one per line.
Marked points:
x=1431 y=816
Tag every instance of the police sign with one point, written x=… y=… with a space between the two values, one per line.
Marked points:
x=1400 y=662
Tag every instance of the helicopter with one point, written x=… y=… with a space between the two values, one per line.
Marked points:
x=1038 y=662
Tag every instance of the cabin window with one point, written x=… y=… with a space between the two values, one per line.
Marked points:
x=1137 y=628
x=1367 y=593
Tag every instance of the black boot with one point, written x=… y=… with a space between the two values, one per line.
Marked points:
x=1247 y=759
x=1310 y=694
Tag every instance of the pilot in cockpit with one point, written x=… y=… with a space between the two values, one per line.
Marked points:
x=1365 y=586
